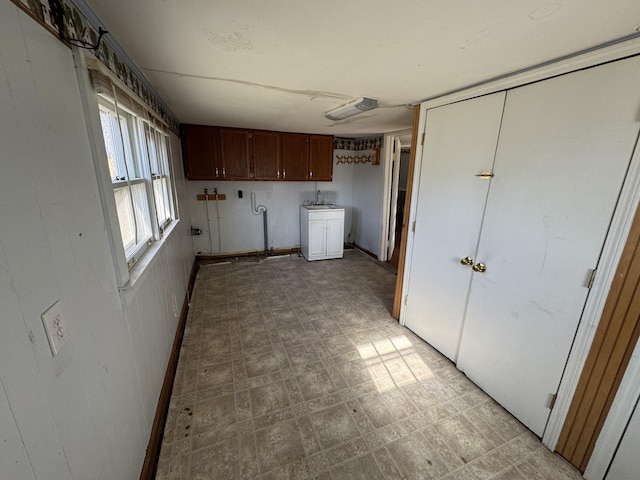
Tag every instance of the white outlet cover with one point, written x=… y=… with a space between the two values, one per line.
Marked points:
x=55 y=327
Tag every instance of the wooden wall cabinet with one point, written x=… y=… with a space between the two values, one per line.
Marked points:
x=295 y=157
x=266 y=154
x=235 y=152
x=320 y=149
x=221 y=153
x=201 y=151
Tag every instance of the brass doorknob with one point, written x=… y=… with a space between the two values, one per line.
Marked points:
x=479 y=267
x=467 y=261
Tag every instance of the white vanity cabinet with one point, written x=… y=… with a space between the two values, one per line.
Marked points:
x=321 y=231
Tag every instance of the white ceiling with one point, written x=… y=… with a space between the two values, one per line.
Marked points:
x=281 y=64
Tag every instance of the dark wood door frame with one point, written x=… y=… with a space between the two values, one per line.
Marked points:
x=397 y=300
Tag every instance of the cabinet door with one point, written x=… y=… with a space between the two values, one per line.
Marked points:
x=235 y=153
x=320 y=157
x=317 y=238
x=265 y=152
x=335 y=237
x=460 y=143
x=295 y=156
x=200 y=149
x=565 y=145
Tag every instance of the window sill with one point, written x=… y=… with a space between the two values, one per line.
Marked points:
x=142 y=266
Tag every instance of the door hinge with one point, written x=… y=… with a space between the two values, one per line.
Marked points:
x=413 y=227
x=422 y=141
x=406 y=299
x=485 y=175
x=552 y=401
x=592 y=278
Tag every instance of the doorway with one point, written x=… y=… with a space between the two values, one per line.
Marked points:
x=397 y=155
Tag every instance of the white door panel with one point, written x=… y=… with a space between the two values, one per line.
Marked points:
x=393 y=210
x=317 y=237
x=335 y=236
x=460 y=143
x=564 y=148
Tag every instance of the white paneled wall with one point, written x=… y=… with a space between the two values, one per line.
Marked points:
x=367 y=205
x=242 y=231
x=86 y=413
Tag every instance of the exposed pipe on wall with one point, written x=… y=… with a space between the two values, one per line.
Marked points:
x=257 y=210
x=206 y=203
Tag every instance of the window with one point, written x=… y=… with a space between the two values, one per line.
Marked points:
x=138 y=159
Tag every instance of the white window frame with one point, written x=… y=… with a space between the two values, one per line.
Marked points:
x=129 y=265
x=141 y=159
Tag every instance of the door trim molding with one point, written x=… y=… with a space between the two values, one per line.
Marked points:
x=614 y=426
x=406 y=254
x=569 y=63
x=387 y=160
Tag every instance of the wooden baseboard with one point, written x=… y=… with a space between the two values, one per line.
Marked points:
x=150 y=465
x=364 y=250
x=254 y=253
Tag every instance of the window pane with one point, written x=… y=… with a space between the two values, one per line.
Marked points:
x=152 y=150
x=160 y=193
x=126 y=122
x=125 y=218
x=133 y=216
x=141 y=209
x=113 y=145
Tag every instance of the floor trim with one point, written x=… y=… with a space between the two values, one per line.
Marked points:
x=364 y=250
x=150 y=465
x=252 y=253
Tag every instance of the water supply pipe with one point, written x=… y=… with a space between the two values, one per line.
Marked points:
x=257 y=210
x=206 y=202
x=206 y=205
x=215 y=191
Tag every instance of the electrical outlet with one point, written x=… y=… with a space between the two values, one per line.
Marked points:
x=55 y=327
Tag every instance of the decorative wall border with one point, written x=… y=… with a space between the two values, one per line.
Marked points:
x=341 y=143
x=371 y=159
x=78 y=26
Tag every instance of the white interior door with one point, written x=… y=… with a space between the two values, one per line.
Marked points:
x=564 y=148
x=460 y=144
x=397 y=146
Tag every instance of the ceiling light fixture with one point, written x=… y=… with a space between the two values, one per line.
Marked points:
x=352 y=108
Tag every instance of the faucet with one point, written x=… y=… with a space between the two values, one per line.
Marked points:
x=319 y=198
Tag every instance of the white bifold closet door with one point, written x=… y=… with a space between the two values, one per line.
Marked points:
x=559 y=150
x=565 y=146
x=460 y=143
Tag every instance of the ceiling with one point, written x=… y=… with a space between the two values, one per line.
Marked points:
x=280 y=65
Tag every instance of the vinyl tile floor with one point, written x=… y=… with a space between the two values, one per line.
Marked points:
x=295 y=370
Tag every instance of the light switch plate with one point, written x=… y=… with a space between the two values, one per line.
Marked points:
x=55 y=327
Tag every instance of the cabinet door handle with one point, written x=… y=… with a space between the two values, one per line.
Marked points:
x=310 y=173
x=216 y=171
x=278 y=173
x=224 y=173
x=284 y=173
x=485 y=175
